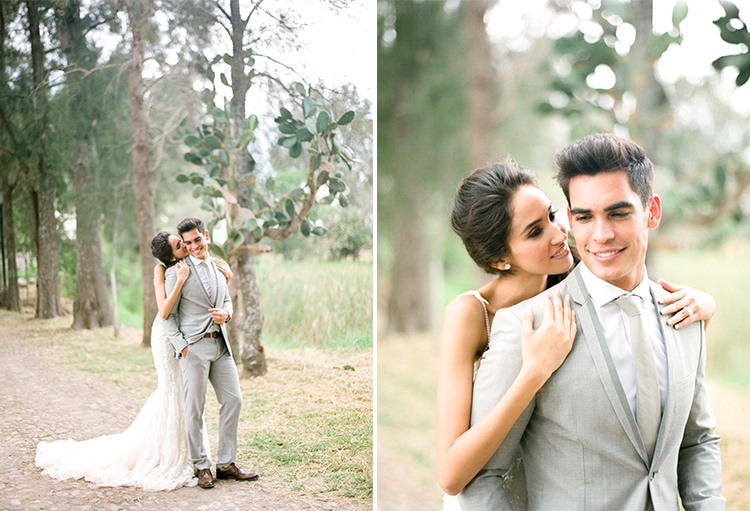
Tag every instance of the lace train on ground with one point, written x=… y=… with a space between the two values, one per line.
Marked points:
x=152 y=453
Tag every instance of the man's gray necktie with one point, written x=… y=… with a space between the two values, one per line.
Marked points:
x=206 y=278
x=648 y=399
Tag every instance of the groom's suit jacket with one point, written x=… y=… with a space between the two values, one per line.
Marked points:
x=189 y=318
x=581 y=447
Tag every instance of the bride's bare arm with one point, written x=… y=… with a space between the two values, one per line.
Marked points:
x=164 y=302
x=462 y=450
x=687 y=304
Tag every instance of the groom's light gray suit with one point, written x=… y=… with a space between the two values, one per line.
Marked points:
x=581 y=447
x=208 y=358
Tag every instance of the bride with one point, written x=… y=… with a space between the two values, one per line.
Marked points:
x=152 y=453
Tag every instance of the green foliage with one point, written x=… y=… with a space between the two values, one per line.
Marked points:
x=254 y=212
x=734 y=31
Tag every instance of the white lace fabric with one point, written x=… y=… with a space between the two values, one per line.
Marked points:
x=152 y=453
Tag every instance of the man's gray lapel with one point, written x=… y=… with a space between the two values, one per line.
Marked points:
x=670 y=347
x=590 y=331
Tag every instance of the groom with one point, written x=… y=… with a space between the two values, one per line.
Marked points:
x=600 y=435
x=197 y=330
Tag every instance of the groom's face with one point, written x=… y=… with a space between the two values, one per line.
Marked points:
x=610 y=226
x=196 y=243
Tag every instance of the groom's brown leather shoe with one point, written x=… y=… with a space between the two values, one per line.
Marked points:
x=232 y=471
x=205 y=479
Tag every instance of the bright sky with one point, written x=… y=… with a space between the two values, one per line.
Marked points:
x=342 y=47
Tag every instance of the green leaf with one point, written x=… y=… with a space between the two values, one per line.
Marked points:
x=246 y=137
x=303 y=135
x=192 y=141
x=296 y=150
x=679 y=13
x=289 y=208
x=252 y=122
x=324 y=119
x=287 y=129
x=308 y=108
x=322 y=178
x=236 y=237
x=193 y=158
x=300 y=88
x=213 y=142
x=297 y=194
x=347 y=367
x=223 y=79
x=182 y=178
x=220 y=115
x=285 y=114
x=224 y=158
x=344 y=201
x=305 y=228
x=287 y=142
x=346 y=118
x=320 y=231
x=197 y=191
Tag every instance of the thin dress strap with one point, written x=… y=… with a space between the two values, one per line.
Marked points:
x=484 y=303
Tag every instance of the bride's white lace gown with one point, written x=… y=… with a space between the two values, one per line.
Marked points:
x=152 y=453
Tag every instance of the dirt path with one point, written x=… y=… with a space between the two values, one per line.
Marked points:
x=40 y=402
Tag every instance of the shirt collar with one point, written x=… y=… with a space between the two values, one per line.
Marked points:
x=603 y=292
x=197 y=261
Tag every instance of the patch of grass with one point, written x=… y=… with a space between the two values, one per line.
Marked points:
x=726 y=275
x=307 y=423
x=318 y=304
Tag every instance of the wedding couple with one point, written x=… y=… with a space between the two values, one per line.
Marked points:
x=590 y=390
x=166 y=446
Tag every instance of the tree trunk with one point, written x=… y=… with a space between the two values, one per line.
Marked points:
x=482 y=87
x=250 y=315
x=91 y=305
x=253 y=355
x=138 y=18
x=12 y=294
x=48 y=303
x=409 y=306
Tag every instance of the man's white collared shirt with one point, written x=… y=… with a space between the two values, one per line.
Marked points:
x=616 y=328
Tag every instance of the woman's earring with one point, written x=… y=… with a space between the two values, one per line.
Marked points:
x=506 y=267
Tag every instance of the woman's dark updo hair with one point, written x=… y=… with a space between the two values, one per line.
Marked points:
x=161 y=249
x=482 y=214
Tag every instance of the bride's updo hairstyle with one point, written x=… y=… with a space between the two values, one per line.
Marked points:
x=482 y=214
x=161 y=249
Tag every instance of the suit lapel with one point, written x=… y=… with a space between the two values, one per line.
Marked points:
x=591 y=331
x=670 y=340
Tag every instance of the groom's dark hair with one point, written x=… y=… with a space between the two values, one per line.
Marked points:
x=189 y=224
x=605 y=152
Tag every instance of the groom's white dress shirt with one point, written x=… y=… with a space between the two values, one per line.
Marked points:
x=616 y=327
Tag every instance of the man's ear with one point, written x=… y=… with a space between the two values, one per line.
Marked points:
x=654 y=211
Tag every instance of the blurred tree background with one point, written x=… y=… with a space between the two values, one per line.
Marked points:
x=463 y=83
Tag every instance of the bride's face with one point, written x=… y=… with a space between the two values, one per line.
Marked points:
x=179 y=251
x=538 y=241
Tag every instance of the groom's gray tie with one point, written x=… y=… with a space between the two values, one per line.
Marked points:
x=648 y=399
x=205 y=275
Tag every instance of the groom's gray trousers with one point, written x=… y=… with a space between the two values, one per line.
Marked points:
x=209 y=360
